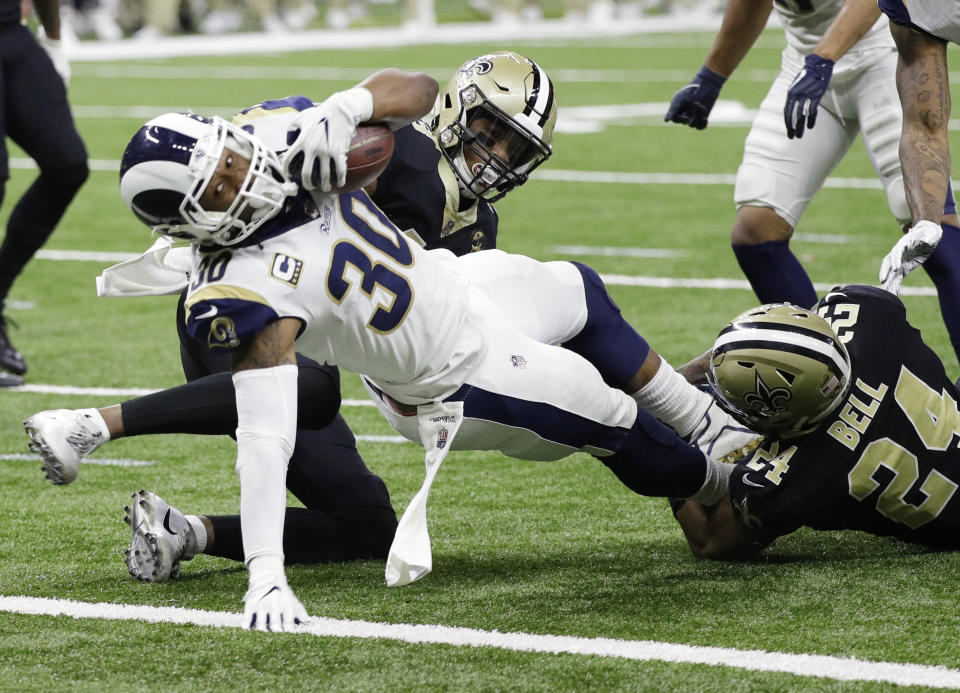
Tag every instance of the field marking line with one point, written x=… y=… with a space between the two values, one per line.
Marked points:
x=818 y=666
x=101 y=461
x=571 y=176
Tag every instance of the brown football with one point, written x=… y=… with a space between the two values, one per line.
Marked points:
x=369 y=152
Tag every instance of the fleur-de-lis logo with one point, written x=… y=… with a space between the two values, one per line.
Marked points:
x=765 y=400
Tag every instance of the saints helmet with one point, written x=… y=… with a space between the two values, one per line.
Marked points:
x=779 y=369
x=500 y=97
x=168 y=164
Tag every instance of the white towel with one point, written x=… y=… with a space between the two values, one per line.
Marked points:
x=410 y=555
x=160 y=270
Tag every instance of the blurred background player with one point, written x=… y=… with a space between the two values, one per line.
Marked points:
x=35 y=114
x=856 y=437
x=837 y=80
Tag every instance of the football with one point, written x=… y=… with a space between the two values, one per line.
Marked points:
x=369 y=152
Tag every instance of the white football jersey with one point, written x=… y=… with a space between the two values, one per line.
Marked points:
x=941 y=19
x=370 y=300
x=806 y=21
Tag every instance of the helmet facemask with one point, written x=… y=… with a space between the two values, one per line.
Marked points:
x=260 y=198
x=494 y=123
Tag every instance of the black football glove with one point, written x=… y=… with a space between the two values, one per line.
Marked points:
x=692 y=104
x=806 y=90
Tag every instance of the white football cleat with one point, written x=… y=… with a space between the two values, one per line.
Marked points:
x=63 y=437
x=721 y=437
x=161 y=538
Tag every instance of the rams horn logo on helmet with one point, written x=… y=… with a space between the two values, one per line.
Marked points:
x=767 y=401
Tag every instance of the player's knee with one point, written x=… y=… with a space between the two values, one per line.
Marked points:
x=70 y=175
x=897 y=199
x=755 y=225
x=318 y=395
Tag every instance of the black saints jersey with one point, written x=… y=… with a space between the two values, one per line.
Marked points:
x=418 y=191
x=887 y=460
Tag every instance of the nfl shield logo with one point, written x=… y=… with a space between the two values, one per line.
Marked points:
x=518 y=361
x=442 y=439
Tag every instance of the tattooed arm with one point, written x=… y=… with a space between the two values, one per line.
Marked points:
x=924 y=87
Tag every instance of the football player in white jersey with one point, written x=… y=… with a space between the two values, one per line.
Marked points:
x=428 y=189
x=921 y=32
x=836 y=81
x=278 y=268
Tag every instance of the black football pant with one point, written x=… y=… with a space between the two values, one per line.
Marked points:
x=348 y=514
x=35 y=114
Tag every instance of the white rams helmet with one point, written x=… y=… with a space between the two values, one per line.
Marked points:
x=168 y=164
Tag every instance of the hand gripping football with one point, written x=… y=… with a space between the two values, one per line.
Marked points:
x=370 y=151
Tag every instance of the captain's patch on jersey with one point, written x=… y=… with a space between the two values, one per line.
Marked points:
x=286 y=268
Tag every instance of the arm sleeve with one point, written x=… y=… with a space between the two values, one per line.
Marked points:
x=266 y=432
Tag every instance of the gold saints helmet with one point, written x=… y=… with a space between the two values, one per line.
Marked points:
x=500 y=99
x=779 y=369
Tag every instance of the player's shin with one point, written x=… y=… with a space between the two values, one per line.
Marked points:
x=942 y=266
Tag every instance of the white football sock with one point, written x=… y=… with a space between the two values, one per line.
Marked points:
x=670 y=398
x=199 y=531
x=716 y=485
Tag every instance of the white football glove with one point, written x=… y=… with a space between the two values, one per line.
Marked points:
x=54 y=49
x=270 y=604
x=317 y=156
x=908 y=253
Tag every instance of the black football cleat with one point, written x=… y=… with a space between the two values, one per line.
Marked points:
x=11 y=360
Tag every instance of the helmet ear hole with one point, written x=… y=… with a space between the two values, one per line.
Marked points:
x=786 y=375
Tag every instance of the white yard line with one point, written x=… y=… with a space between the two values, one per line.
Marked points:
x=818 y=666
x=101 y=461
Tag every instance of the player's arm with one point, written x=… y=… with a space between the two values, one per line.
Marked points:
x=851 y=23
x=695 y=371
x=924 y=86
x=320 y=136
x=743 y=20
x=48 y=12
x=716 y=532
x=399 y=97
x=265 y=379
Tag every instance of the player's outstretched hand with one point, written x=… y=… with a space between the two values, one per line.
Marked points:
x=908 y=253
x=320 y=136
x=270 y=604
x=692 y=104
x=806 y=90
